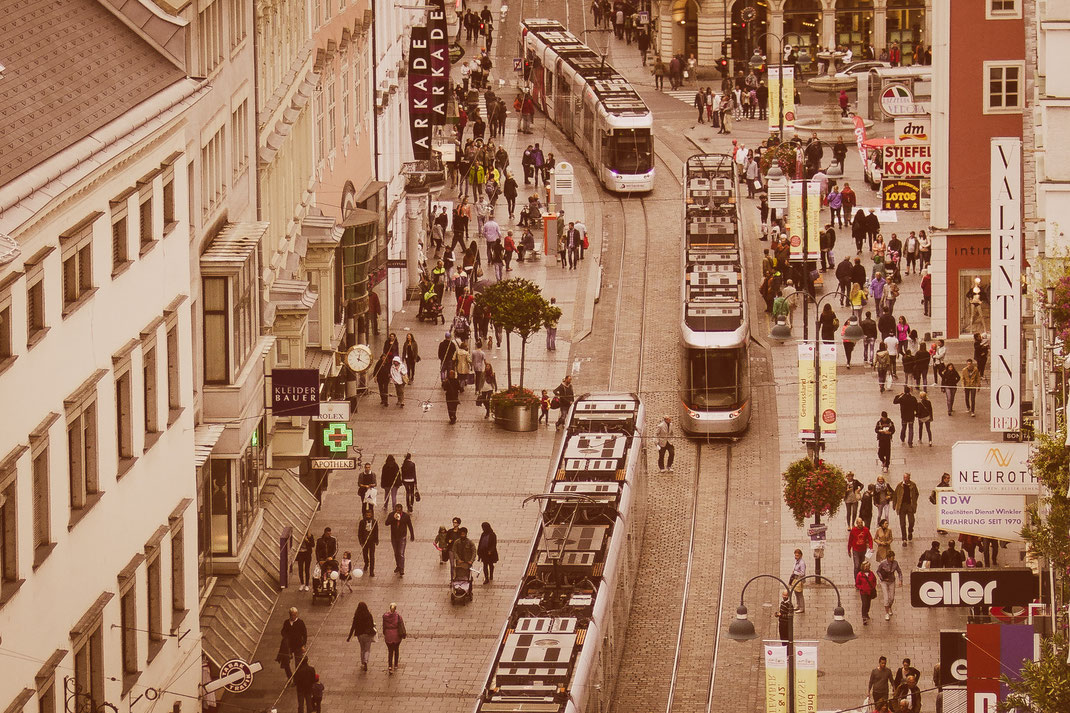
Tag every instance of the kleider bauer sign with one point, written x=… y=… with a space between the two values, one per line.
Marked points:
x=1006 y=295
x=931 y=588
x=988 y=467
x=420 y=80
x=295 y=392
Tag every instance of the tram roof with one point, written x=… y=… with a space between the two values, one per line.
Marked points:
x=611 y=89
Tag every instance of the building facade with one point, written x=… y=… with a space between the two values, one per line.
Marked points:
x=978 y=93
x=98 y=529
x=689 y=27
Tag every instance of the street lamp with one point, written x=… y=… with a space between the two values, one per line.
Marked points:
x=839 y=630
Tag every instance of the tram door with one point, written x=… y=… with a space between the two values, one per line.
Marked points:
x=563 y=101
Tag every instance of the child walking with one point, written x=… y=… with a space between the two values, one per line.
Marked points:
x=345 y=569
x=544 y=408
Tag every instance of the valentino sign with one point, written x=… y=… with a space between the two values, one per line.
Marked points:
x=1006 y=299
x=970 y=587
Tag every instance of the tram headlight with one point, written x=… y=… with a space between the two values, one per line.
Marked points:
x=736 y=414
x=694 y=414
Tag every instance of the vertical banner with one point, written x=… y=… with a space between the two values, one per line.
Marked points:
x=776 y=82
x=439 y=48
x=812 y=224
x=806 y=678
x=420 y=94
x=807 y=390
x=776 y=677
x=828 y=390
x=1006 y=293
x=994 y=650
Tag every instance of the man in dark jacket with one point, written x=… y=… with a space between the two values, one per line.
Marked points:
x=908 y=404
x=304 y=681
x=453 y=394
x=565 y=395
x=905 y=502
x=408 y=479
x=953 y=558
x=447 y=355
x=294 y=636
x=326 y=545
x=884 y=429
x=908 y=691
x=886 y=325
x=873 y=226
x=858 y=273
x=932 y=556
x=869 y=337
x=399 y=522
x=368 y=536
x=843 y=277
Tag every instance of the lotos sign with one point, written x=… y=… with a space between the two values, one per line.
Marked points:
x=930 y=588
x=908 y=161
x=992 y=468
x=901 y=195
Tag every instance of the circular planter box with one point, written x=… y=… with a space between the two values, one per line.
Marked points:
x=517 y=418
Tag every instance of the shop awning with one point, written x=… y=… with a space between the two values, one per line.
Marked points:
x=358 y=217
x=205 y=437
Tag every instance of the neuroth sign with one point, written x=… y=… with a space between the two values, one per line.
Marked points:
x=992 y=468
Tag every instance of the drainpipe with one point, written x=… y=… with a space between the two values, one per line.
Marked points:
x=375 y=88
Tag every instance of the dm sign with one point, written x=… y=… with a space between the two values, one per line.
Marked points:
x=901 y=195
x=295 y=392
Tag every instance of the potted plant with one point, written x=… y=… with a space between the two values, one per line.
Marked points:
x=811 y=490
x=518 y=306
x=785 y=157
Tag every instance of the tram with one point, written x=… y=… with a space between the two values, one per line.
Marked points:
x=592 y=104
x=715 y=396
x=560 y=648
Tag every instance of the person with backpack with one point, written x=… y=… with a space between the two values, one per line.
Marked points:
x=393 y=634
x=537 y=162
x=363 y=627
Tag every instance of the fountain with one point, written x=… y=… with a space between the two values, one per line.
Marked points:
x=830 y=124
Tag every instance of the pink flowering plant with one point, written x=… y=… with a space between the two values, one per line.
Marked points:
x=785 y=156
x=1058 y=306
x=810 y=490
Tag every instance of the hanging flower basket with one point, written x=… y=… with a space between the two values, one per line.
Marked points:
x=813 y=490
x=785 y=156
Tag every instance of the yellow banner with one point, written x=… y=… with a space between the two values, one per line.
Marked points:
x=807 y=390
x=828 y=389
x=813 y=219
x=805 y=678
x=773 y=76
x=776 y=677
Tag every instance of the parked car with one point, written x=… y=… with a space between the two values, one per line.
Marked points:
x=873 y=171
x=856 y=68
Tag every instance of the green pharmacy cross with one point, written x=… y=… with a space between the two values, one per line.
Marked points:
x=338 y=437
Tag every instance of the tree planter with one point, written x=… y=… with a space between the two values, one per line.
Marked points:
x=517 y=417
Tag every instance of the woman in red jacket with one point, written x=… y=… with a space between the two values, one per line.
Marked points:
x=858 y=542
x=866 y=584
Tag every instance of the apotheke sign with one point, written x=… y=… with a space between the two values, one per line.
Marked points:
x=992 y=468
x=930 y=588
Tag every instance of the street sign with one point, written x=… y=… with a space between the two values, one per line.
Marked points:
x=338 y=437
x=397 y=262
x=518 y=64
x=334 y=463
x=235 y=676
x=333 y=411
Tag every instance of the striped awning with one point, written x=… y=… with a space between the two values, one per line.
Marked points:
x=205 y=437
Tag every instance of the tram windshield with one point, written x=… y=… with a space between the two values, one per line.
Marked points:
x=714 y=378
x=629 y=151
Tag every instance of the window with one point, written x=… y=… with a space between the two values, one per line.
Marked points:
x=1005 y=84
x=178 y=572
x=213 y=172
x=215 y=330
x=6 y=347
x=155 y=602
x=332 y=115
x=9 y=531
x=174 y=383
x=128 y=626
x=212 y=36
x=89 y=666
x=327 y=6
x=1003 y=9
x=229 y=304
x=359 y=91
x=35 y=307
x=343 y=67
x=77 y=268
x=150 y=393
x=42 y=507
x=144 y=212
x=124 y=419
x=120 y=247
x=321 y=126
x=82 y=454
x=169 y=202
x=239 y=12
x=46 y=699
x=240 y=138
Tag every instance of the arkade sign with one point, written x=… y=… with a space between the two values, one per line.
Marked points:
x=295 y=392
x=992 y=468
x=970 y=587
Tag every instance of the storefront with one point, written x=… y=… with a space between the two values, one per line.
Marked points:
x=905 y=26
x=969 y=274
x=802 y=31
x=854 y=26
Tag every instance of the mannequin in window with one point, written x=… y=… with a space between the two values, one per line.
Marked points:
x=975 y=318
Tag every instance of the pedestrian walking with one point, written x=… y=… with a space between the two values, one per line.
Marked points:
x=869 y=337
x=939 y=357
x=888 y=574
x=295 y=636
x=393 y=634
x=398 y=377
x=390 y=481
x=905 y=671
x=444 y=540
x=866 y=584
x=931 y=557
x=368 y=536
x=305 y=679
x=345 y=570
x=410 y=352
x=400 y=523
x=981 y=347
x=848 y=344
x=880 y=685
x=859 y=542
x=971 y=381
x=490 y=385
x=949 y=383
x=551 y=330
x=865 y=505
x=905 y=503
x=882 y=498
x=884 y=430
x=304 y=561
x=785 y=617
x=952 y=558
x=851 y=497
x=408 y=479
x=479 y=364
x=665 y=445
x=365 y=482
x=883 y=538
x=363 y=627
x=488 y=551
x=908 y=405
x=382 y=378
x=924 y=413
x=795 y=581
x=453 y=395
x=908 y=696
x=565 y=395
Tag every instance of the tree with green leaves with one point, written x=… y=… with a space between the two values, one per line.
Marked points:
x=1049 y=520
x=518 y=306
x=1044 y=686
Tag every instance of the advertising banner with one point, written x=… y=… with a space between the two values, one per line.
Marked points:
x=807 y=391
x=1006 y=295
x=932 y=588
x=998 y=516
x=813 y=219
x=806 y=677
x=295 y=392
x=901 y=194
x=952 y=658
x=828 y=390
x=774 y=77
x=913 y=130
x=439 y=49
x=776 y=677
x=994 y=651
x=908 y=161
x=992 y=468
x=420 y=114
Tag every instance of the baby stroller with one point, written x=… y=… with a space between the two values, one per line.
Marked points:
x=325 y=581
x=460 y=582
x=431 y=309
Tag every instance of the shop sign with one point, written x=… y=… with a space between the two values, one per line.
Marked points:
x=913 y=130
x=908 y=161
x=995 y=652
x=805 y=678
x=932 y=588
x=952 y=658
x=295 y=392
x=897 y=100
x=901 y=194
x=439 y=48
x=988 y=467
x=776 y=677
x=998 y=516
x=420 y=97
x=1005 y=399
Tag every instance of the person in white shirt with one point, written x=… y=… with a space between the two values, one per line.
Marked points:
x=665 y=445
x=893 y=350
x=798 y=571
